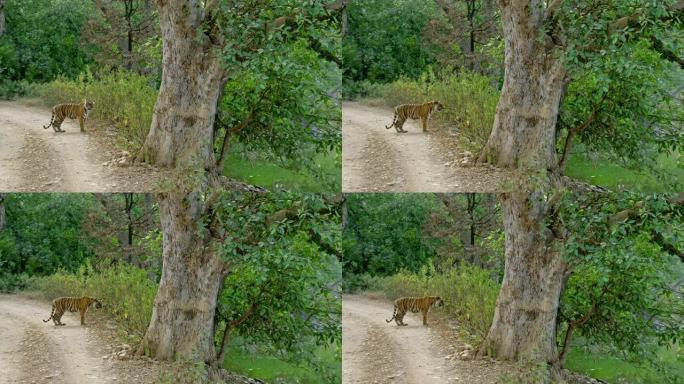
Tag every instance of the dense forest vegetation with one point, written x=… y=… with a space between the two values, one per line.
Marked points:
x=278 y=305
x=620 y=312
x=619 y=120
x=278 y=112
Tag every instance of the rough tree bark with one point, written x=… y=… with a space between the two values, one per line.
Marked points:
x=182 y=321
x=523 y=137
x=181 y=134
x=524 y=324
x=524 y=134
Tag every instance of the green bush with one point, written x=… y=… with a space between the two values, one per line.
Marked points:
x=469 y=294
x=353 y=282
x=12 y=282
x=469 y=102
x=352 y=90
x=122 y=99
x=126 y=292
x=11 y=89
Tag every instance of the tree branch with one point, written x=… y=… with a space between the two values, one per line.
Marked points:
x=574 y=131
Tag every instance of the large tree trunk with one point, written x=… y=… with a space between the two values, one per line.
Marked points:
x=181 y=134
x=183 y=315
x=524 y=137
x=524 y=134
x=524 y=325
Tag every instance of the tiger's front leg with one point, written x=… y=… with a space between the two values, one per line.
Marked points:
x=82 y=317
x=81 y=122
x=425 y=122
x=424 y=318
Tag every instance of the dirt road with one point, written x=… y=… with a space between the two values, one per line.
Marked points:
x=375 y=159
x=374 y=351
x=33 y=159
x=35 y=352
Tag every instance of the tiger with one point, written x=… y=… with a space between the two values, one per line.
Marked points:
x=414 y=111
x=72 y=111
x=414 y=304
x=71 y=304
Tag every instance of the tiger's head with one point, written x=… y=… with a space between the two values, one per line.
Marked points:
x=438 y=302
x=437 y=106
x=96 y=302
x=89 y=105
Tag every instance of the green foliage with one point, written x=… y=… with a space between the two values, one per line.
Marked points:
x=43 y=233
x=469 y=294
x=623 y=292
x=283 y=249
x=601 y=171
x=12 y=89
x=285 y=96
x=384 y=40
x=600 y=364
x=637 y=116
x=12 y=282
x=320 y=175
x=469 y=102
x=126 y=292
x=242 y=359
x=384 y=233
x=42 y=39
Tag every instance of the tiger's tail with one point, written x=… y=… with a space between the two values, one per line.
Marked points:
x=394 y=315
x=394 y=121
x=51 y=314
x=52 y=119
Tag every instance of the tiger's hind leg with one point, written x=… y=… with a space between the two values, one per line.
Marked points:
x=400 y=126
x=57 y=318
x=400 y=318
x=57 y=125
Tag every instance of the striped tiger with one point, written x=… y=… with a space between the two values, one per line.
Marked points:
x=414 y=111
x=71 y=304
x=72 y=111
x=414 y=304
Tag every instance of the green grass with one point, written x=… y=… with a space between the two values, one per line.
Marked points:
x=611 y=176
x=614 y=370
x=270 y=175
x=274 y=370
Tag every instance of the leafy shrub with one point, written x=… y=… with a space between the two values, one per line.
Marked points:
x=122 y=99
x=11 y=282
x=469 y=294
x=353 y=282
x=469 y=102
x=352 y=90
x=126 y=292
x=10 y=89
x=43 y=233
